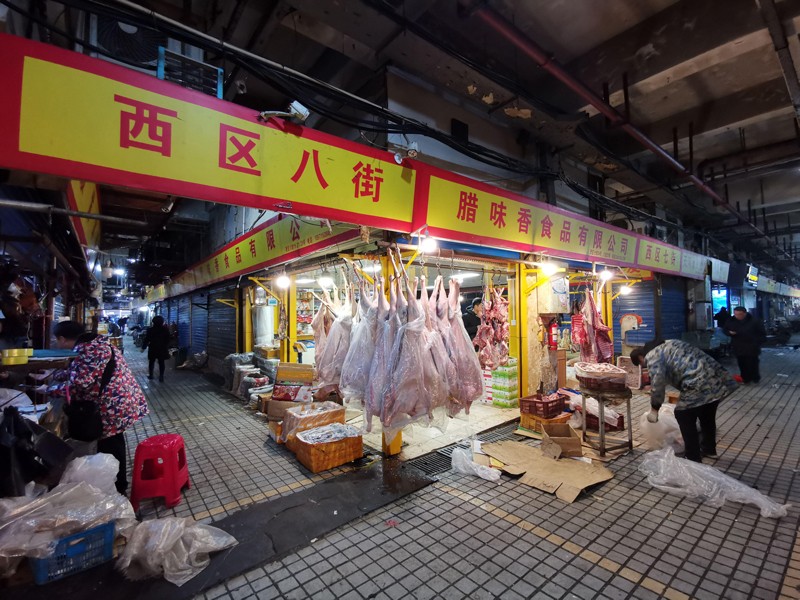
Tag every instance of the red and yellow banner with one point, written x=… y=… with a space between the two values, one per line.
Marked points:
x=457 y=208
x=83 y=197
x=281 y=239
x=71 y=115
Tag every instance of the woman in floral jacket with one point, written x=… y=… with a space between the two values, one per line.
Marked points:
x=121 y=401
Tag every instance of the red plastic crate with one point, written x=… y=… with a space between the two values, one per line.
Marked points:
x=547 y=409
x=593 y=423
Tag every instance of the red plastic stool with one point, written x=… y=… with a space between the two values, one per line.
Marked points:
x=160 y=470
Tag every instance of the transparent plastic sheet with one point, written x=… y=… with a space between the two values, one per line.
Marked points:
x=387 y=325
x=664 y=433
x=310 y=415
x=329 y=363
x=98 y=470
x=229 y=364
x=406 y=398
x=669 y=473
x=358 y=361
x=263 y=324
x=463 y=463
x=173 y=547
x=31 y=528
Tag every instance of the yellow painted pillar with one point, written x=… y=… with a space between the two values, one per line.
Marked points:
x=291 y=317
x=521 y=328
x=247 y=310
x=606 y=307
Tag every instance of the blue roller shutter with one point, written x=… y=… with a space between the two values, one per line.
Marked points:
x=221 y=324
x=674 y=308
x=182 y=318
x=641 y=301
x=199 y=322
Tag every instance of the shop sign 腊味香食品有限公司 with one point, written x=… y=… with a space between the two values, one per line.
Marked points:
x=460 y=209
x=120 y=127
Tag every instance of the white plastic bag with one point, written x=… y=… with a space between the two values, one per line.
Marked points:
x=98 y=470
x=669 y=473
x=610 y=416
x=29 y=528
x=665 y=433
x=463 y=463
x=177 y=548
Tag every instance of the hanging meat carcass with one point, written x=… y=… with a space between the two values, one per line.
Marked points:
x=329 y=363
x=469 y=383
x=493 y=334
x=404 y=398
x=321 y=323
x=387 y=325
x=358 y=362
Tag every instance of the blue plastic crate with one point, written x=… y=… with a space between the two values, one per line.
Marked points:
x=75 y=553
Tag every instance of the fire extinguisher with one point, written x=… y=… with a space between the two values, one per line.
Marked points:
x=552 y=335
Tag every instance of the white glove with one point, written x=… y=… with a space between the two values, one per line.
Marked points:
x=652 y=416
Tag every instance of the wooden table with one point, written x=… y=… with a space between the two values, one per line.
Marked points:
x=603 y=397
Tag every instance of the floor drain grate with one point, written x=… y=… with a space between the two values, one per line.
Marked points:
x=432 y=464
x=504 y=432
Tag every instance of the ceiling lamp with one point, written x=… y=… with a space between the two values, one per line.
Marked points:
x=605 y=275
x=625 y=290
x=548 y=269
x=283 y=281
x=428 y=244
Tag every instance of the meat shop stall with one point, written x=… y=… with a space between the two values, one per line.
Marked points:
x=383 y=328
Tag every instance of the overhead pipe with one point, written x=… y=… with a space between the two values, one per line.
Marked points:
x=46 y=208
x=544 y=59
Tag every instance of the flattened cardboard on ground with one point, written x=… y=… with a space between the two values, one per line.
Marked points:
x=564 y=478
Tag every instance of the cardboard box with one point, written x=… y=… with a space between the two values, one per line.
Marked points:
x=277 y=408
x=294 y=374
x=275 y=428
x=534 y=423
x=564 y=478
x=304 y=416
x=565 y=436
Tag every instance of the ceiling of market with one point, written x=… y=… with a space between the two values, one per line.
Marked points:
x=714 y=80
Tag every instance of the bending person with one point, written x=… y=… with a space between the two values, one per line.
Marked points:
x=702 y=382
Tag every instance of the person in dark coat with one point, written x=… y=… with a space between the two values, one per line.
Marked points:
x=472 y=317
x=747 y=335
x=156 y=341
x=722 y=317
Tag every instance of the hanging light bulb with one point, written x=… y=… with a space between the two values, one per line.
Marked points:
x=548 y=269
x=428 y=244
x=625 y=290
x=605 y=275
x=283 y=281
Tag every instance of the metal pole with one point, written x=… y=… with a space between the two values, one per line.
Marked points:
x=46 y=208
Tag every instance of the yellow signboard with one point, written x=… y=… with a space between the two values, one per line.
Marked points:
x=461 y=209
x=658 y=256
x=278 y=240
x=83 y=197
x=81 y=117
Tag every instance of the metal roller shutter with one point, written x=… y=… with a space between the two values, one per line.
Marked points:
x=221 y=324
x=641 y=301
x=674 y=308
x=199 y=322
x=182 y=318
x=59 y=308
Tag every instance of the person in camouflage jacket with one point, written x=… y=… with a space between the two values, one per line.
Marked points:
x=702 y=382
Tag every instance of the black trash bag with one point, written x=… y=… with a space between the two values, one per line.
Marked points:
x=28 y=452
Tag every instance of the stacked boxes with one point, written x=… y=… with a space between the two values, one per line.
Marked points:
x=505 y=385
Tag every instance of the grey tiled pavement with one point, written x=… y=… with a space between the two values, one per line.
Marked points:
x=463 y=537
